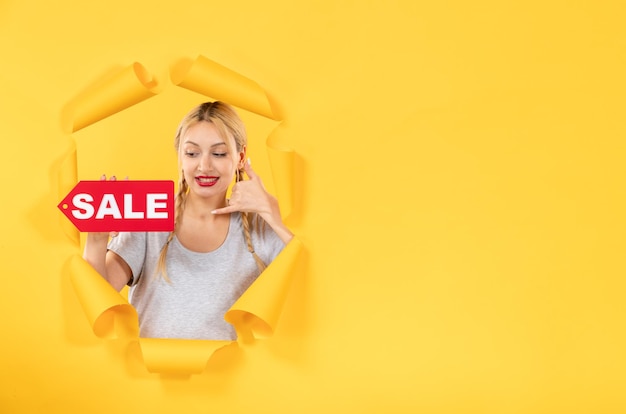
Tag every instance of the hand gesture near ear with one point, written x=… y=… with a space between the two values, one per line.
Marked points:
x=250 y=196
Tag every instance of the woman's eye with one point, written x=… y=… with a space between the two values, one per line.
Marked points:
x=191 y=154
x=220 y=154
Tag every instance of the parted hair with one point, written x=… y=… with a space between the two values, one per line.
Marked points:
x=228 y=124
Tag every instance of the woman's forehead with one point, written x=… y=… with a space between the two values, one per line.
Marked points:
x=204 y=134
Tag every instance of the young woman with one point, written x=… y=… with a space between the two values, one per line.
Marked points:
x=183 y=282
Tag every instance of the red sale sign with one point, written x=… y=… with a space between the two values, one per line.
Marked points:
x=120 y=206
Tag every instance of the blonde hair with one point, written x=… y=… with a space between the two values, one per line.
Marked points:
x=228 y=124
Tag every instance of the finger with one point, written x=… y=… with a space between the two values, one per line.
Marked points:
x=254 y=177
x=247 y=167
x=103 y=177
x=113 y=178
x=224 y=210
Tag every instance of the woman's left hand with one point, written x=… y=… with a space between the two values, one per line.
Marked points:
x=251 y=196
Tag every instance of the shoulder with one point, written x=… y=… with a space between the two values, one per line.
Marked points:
x=126 y=238
x=135 y=239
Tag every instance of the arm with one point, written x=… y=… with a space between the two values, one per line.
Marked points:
x=275 y=221
x=110 y=265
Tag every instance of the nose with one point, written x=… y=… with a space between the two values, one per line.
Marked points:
x=205 y=163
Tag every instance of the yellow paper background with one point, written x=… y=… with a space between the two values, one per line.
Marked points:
x=256 y=313
x=458 y=178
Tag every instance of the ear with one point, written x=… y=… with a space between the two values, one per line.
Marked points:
x=241 y=157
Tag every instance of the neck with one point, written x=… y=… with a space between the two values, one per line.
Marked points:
x=201 y=208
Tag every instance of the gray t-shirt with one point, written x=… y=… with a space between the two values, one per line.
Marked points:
x=203 y=285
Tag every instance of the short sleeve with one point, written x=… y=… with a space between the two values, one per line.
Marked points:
x=270 y=244
x=131 y=247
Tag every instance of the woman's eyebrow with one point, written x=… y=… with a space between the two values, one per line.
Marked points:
x=197 y=145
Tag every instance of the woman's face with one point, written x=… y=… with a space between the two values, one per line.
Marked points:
x=208 y=166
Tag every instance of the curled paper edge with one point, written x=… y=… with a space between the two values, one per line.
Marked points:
x=256 y=313
x=109 y=96
x=176 y=356
x=281 y=164
x=211 y=79
x=108 y=313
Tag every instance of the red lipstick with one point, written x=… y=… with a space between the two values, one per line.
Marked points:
x=206 y=181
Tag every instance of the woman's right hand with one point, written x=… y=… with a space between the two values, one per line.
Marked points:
x=99 y=236
x=110 y=266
